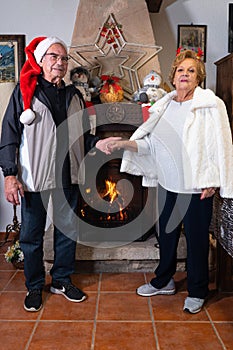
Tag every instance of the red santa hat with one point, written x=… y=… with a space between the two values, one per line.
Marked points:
x=30 y=72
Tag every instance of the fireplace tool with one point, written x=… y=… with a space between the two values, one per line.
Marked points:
x=14 y=227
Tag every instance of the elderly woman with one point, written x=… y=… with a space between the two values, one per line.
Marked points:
x=185 y=148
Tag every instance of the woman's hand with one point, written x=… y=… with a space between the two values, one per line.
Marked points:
x=116 y=145
x=208 y=192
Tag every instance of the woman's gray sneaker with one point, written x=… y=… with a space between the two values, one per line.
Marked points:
x=147 y=290
x=193 y=305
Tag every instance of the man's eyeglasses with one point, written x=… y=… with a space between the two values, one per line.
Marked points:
x=54 y=57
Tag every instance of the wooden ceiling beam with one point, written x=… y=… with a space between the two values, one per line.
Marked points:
x=153 y=5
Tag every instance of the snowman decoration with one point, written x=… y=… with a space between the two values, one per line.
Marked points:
x=151 y=90
x=150 y=93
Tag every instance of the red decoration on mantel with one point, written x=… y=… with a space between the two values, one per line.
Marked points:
x=145 y=111
x=111 y=32
x=110 y=80
x=111 y=90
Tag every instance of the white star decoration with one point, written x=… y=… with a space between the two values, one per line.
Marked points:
x=111 y=54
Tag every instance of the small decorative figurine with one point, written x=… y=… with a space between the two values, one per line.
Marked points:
x=150 y=93
x=80 y=76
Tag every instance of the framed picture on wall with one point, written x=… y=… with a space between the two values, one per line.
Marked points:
x=230 y=29
x=192 y=37
x=12 y=57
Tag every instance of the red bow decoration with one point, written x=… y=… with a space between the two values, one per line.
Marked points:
x=199 y=52
x=110 y=80
x=178 y=51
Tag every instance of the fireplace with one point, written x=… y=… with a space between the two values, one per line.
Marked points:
x=112 y=210
x=113 y=205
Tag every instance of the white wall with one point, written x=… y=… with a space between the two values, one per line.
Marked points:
x=57 y=17
x=39 y=18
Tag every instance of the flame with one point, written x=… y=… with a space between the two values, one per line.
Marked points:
x=115 y=200
x=111 y=190
x=113 y=193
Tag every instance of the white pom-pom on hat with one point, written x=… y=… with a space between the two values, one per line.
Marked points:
x=27 y=117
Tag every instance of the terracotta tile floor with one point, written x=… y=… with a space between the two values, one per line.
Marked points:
x=113 y=317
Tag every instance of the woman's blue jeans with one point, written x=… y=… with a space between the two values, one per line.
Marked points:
x=196 y=216
x=33 y=216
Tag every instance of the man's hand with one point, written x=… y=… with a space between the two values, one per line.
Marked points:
x=12 y=190
x=102 y=145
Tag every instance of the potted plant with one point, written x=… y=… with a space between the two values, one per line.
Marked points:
x=15 y=255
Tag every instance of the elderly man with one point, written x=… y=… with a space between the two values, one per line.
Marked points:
x=41 y=158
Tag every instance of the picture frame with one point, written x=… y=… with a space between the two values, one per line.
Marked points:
x=192 y=37
x=230 y=29
x=12 y=57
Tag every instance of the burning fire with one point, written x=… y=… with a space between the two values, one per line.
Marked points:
x=112 y=194
x=115 y=201
x=111 y=190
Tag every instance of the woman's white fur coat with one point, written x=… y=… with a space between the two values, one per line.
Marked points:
x=207 y=139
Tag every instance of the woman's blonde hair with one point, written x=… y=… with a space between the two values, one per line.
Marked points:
x=201 y=72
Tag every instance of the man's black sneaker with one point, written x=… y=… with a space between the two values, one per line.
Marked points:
x=33 y=300
x=68 y=290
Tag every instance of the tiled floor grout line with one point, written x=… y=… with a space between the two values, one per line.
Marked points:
x=96 y=313
x=223 y=322
x=31 y=335
x=153 y=324
x=37 y=321
x=145 y=278
x=215 y=329
x=152 y=318
x=117 y=291
x=124 y=321
x=12 y=277
x=182 y=321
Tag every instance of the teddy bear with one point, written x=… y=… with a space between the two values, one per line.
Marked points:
x=80 y=77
